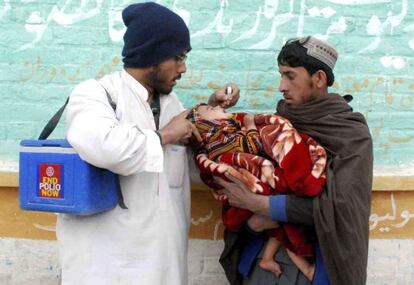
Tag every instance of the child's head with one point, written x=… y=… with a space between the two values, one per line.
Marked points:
x=205 y=118
x=206 y=112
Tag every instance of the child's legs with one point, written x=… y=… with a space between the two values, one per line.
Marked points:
x=304 y=266
x=271 y=248
x=268 y=262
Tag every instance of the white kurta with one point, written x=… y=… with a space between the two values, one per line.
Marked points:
x=147 y=243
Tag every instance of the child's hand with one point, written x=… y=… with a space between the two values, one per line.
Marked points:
x=259 y=223
x=248 y=122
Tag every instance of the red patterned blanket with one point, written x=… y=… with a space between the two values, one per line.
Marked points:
x=284 y=161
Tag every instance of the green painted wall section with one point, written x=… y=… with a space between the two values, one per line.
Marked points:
x=47 y=47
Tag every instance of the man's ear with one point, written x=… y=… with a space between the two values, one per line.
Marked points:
x=320 y=79
x=153 y=67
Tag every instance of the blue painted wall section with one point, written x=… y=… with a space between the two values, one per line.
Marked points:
x=47 y=47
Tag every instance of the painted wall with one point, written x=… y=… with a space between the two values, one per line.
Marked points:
x=27 y=241
x=49 y=46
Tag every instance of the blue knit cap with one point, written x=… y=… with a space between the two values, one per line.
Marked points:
x=154 y=33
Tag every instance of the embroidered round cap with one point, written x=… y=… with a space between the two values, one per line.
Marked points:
x=320 y=50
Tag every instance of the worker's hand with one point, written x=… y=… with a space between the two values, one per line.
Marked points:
x=227 y=96
x=196 y=135
x=178 y=130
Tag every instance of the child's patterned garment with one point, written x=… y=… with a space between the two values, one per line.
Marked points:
x=273 y=159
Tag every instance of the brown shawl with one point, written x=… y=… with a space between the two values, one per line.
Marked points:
x=342 y=211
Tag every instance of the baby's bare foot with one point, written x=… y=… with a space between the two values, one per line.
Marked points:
x=271 y=265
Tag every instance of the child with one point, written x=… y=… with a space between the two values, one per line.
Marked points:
x=270 y=156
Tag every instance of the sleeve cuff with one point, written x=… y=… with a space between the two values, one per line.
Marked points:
x=277 y=205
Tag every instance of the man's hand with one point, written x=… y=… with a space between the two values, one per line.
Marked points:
x=224 y=98
x=240 y=196
x=178 y=130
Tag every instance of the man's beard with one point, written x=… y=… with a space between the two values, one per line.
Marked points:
x=159 y=82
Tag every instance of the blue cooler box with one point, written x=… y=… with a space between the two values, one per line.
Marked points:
x=53 y=178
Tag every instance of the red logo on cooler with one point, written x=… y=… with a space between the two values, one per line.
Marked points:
x=50 y=182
